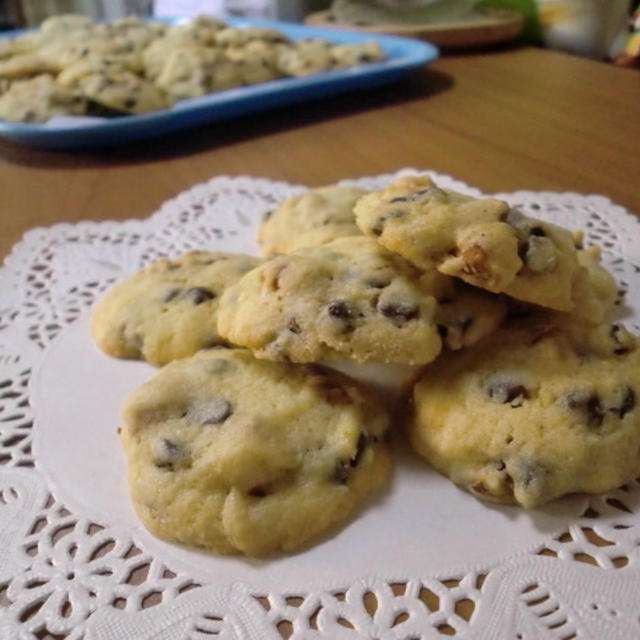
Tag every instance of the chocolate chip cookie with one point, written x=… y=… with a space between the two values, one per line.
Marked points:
x=121 y=92
x=482 y=241
x=351 y=299
x=248 y=456
x=305 y=57
x=533 y=412
x=167 y=311
x=311 y=219
x=351 y=55
x=38 y=99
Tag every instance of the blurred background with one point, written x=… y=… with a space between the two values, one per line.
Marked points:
x=594 y=28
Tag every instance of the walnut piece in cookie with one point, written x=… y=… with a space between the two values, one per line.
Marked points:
x=533 y=412
x=245 y=456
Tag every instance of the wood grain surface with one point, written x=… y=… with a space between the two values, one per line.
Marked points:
x=501 y=120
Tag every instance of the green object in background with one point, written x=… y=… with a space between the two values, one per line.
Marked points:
x=532 y=33
x=405 y=12
x=387 y=12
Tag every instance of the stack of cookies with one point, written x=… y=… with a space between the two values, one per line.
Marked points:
x=73 y=66
x=518 y=387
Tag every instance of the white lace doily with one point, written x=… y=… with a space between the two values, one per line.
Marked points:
x=74 y=562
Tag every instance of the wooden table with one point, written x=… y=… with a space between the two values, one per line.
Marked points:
x=501 y=120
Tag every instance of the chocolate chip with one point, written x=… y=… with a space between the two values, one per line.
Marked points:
x=129 y=103
x=258 y=492
x=267 y=215
x=523 y=248
x=622 y=339
x=294 y=326
x=517 y=220
x=628 y=403
x=377 y=284
x=530 y=473
x=271 y=277
x=198 y=295
x=341 y=472
x=589 y=404
x=340 y=309
x=538 y=231
x=442 y=331
x=539 y=254
x=510 y=393
x=172 y=295
x=342 y=468
x=402 y=312
x=216 y=411
x=168 y=454
x=417 y=195
x=378 y=228
x=361 y=445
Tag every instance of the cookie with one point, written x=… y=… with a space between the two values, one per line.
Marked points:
x=20 y=44
x=533 y=412
x=594 y=289
x=168 y=311
x=134 y=31
x=187 y=73
x=71 y=75
x=257 y=70
x=304 y=58
x=65 y=26
x=259 y=51
x=155 y=55
x=121 y=92
x=352 y=55
x=482 y=241
x=37 y=100
x=233 y=37
x=225 y=74
x=594 y=294
x=349 y=299
x=24 y=65
x=246 y=456
x=201 y=30
x=311 y=219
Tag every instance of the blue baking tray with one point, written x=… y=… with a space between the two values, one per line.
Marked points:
x=402 y=54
